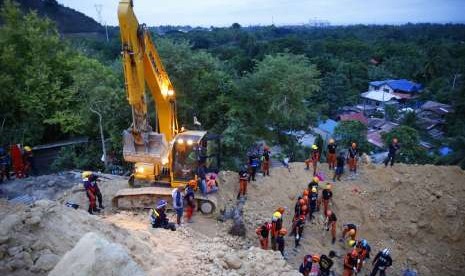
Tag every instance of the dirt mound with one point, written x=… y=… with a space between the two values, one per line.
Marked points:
x=34 y=239
x=412 y=209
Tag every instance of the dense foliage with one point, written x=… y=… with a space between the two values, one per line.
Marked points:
x=247 y=84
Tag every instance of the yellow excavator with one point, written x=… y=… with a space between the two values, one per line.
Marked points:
x=164 y=156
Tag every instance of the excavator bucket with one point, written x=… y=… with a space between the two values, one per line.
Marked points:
x=153 y=151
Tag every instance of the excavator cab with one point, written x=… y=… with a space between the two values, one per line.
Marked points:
x=192 y=151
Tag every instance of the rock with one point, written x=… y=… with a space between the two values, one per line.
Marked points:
x=15 y=250
x=4 y=239
x=16 y=264
x=33 y=221
x=46 y=262
x=8 y=223
x=51 y=183
x=94 y=255
x=220 y=255
x=233 y=262
x=43 y=203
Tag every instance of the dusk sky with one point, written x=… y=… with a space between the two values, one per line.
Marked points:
x=264 y=12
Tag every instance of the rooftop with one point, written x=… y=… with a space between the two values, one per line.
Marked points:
x=438 y=108
x=401 y=85
x=379 y=96
x=354 y=117
x=327 y=126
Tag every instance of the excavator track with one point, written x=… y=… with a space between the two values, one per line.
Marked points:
x=147 y=197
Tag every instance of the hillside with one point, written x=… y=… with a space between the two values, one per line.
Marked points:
x=406 y=208
x=68 y=21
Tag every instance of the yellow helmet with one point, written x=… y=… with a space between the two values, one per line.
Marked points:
x=314 y=147
x=314 y=190
x=351 y=243
x=331 y=141
x=86 y=174
x=27 y=148
x=276 y=215
x=316 y=179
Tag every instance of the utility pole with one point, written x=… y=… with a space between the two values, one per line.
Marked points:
x=104 y=150
x=98 y=8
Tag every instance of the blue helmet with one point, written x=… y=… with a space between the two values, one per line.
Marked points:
x=161 y=203
x=2 y=151
x=364 y=243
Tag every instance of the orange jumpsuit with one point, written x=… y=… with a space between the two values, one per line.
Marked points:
x=349 y=264
x=263 y=233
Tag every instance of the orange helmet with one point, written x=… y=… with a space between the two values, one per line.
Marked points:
x=329 y=213
x=281 y=210
x=266 y=147
x=305 y=192
x=316 y=258
x=283 y=231
x=192 y=183
x=352 y=232
x=301 y=202
x=354 y=254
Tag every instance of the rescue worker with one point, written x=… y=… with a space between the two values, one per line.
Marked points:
x=28 y=161
x=280 y=240
x=350 y=229
x=352 y=158
x=325 y=265
x=306 y=265
x=253 y=165
x=263 y=233
x=298 y=207
x=190 y=200
x=91 y=191
x=393 y=148
x=381 y=262
x=313 y=183
x=332 y=147
x=327 y=195
x=331 y=224
x=212 y=184
x=315 y=271
x=243 y=180
x=364 y=250
x=4 y=165
x=314 y=159
x=266 y=161
x=299 y=229
x=350 y=263
x=94 y=179
x=313 y=202
x=178 y=203
x=158 y=217
x=340 y=160
x=276 y=225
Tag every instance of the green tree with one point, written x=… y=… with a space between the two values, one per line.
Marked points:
x=348 y=132
x=410 y=151
x=276 y=97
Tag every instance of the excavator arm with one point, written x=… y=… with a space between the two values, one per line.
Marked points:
x=142 y=66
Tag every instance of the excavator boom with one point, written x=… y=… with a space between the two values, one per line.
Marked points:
x=142 y=66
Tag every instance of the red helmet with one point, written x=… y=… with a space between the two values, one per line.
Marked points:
x=281 y=210
x=354 y=254
x=305 y=192
x=329 y=213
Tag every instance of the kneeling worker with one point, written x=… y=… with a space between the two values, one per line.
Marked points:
x=158 y=216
